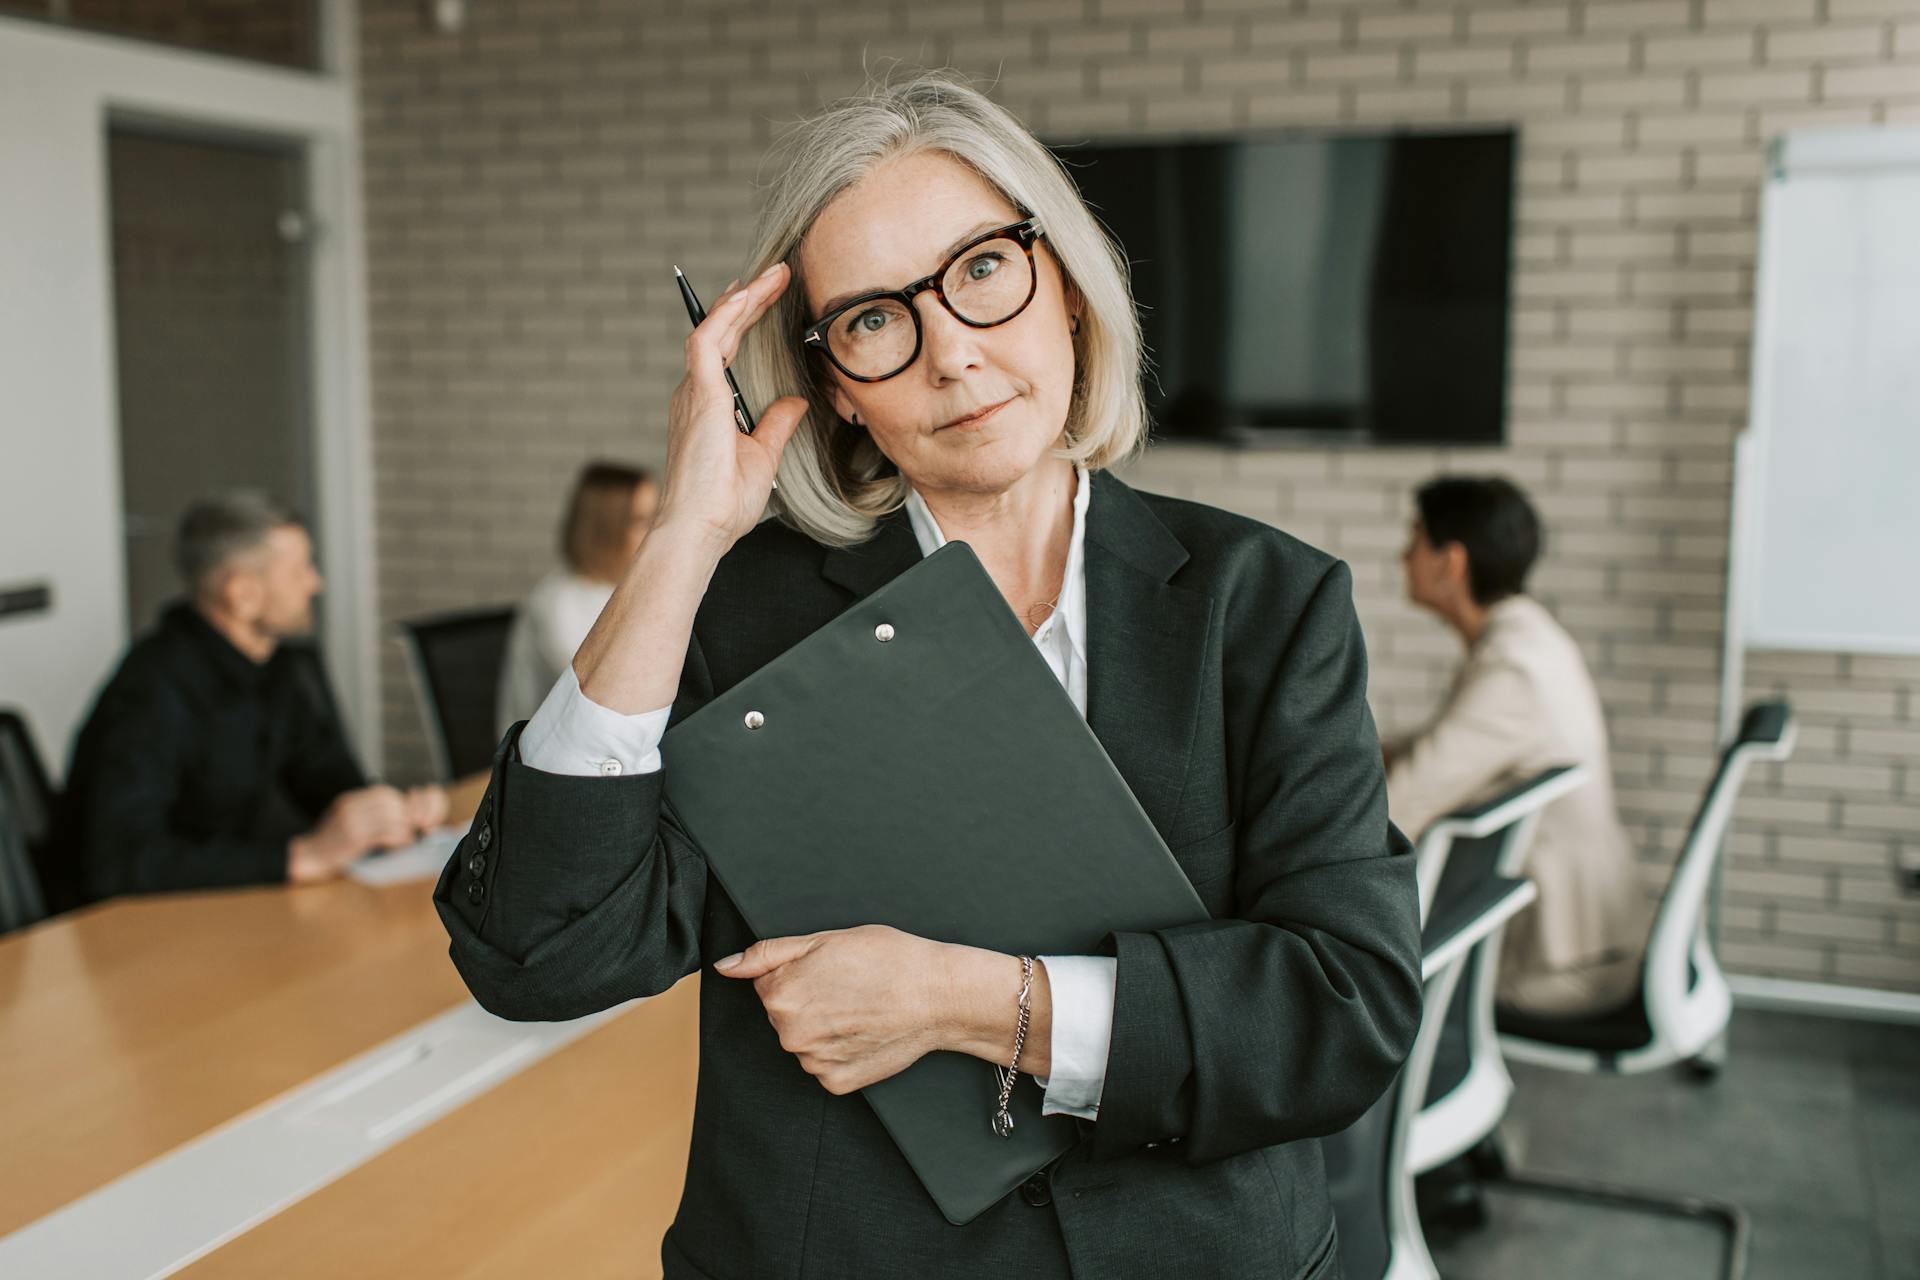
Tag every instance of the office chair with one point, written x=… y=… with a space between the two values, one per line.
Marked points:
x=1469 y=1088
x=1683 y=1004
x=455 y=659
x=1509 y=818
x=1368 y=1176
x=26 y=825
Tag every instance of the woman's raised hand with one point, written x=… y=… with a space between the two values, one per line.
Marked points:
x=718 y=479
x=716 y=487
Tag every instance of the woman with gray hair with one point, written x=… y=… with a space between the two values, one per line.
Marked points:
x=963 y=361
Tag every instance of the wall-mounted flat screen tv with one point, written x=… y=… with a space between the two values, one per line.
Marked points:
x=1345 y=286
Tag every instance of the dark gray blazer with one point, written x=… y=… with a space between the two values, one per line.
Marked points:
x=1227 y=680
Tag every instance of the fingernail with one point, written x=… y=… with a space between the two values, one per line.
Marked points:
x=732 y=285
x=769 y=271
x=725 y=963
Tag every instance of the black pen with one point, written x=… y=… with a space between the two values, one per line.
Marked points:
x=697 y=313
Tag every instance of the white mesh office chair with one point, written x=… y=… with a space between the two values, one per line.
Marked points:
x=1468 y=1093
x=1511 y=816
x=1367 y=1174
x=1683 y=1004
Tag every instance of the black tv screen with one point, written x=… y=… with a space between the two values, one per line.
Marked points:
x=1350 y=286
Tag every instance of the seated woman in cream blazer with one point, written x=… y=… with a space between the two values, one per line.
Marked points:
x=1522 y=701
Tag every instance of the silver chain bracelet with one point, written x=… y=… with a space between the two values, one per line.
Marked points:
x=1003 y=1118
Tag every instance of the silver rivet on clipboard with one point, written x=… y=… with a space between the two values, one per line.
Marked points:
x=755 y=719
x=883 y=632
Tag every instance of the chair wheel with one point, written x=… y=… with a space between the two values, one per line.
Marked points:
x=1702 y=1070
x=1453 y=1211
x=1487 y=1160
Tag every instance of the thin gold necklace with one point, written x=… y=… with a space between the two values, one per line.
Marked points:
x=1045 y=608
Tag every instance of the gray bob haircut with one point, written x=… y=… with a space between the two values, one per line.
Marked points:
x=216 y=531
x=834 y=481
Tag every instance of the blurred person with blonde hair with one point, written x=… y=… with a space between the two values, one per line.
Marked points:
x=609 y=512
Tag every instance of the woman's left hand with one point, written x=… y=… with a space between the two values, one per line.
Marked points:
x=855 y=1006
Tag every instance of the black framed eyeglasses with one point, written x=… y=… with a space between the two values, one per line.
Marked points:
x=987 y=282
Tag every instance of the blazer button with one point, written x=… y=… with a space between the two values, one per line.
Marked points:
x=477 y=864
x=485 y=837
x=1035 y=1190
x=476 y=892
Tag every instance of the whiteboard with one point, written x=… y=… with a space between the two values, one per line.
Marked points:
x=1827 y=528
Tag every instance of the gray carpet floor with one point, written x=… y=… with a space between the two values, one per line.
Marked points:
x=1813 y=1127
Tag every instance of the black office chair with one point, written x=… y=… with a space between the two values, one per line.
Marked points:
x=1683 y=1004
x=456 y=660
x=26 y=825
x=1368 y=1174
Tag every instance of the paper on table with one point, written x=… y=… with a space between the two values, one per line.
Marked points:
x=420 y=860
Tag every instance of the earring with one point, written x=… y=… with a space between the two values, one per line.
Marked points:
x=854 y=419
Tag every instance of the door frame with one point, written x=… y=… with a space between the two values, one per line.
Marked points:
x=60 y=89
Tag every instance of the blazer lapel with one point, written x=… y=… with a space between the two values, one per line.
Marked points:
x=1146 y=639
x=865 y=568
x=1147 y=647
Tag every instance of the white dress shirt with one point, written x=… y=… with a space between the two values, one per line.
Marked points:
x=572 y=734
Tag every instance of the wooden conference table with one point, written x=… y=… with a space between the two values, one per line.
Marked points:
x=133 y=1027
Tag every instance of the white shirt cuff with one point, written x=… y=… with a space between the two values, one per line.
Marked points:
x=1082 y=989
x=572 y=734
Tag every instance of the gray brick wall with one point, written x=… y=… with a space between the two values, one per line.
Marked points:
x=531 y=181
x=279 y=31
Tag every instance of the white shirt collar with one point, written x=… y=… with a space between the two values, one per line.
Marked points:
x=1071 y=608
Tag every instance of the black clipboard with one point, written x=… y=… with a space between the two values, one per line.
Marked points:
x=915 y=763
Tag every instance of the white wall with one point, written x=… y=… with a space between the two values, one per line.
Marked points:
x=59 y=454
x=59 y=489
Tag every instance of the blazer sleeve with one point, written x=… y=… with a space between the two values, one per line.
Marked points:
x=569 y=895
x=1290 y=1019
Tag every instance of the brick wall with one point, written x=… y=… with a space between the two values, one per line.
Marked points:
x=531 y=181
x=206 y=302
x=279 y=31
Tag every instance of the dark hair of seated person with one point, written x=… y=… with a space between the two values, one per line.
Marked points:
x=1492 y=519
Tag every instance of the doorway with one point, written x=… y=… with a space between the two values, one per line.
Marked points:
x=211 y=294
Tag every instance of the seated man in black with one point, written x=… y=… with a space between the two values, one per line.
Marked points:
x=214 y=755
